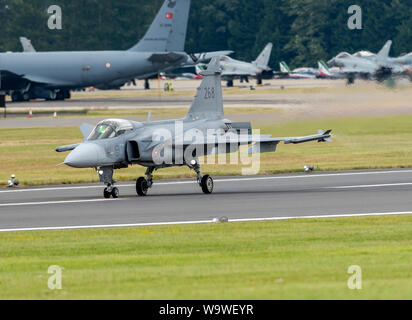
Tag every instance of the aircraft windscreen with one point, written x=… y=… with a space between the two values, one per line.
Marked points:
x=343 y=55
x=110 y=129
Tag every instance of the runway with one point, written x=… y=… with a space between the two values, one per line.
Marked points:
x=237 y=198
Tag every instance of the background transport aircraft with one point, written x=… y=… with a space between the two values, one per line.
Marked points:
x=300 y=73
x=51 y=75
x=115 y=144
x=378 y=67
x=259 y=69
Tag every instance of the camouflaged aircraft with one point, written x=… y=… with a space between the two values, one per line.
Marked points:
x=116 y=144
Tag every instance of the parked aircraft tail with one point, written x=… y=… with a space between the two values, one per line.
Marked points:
x=383 y=55
x=200 y=67
x=26 y=44
x=167 y=33
x=208 y=102
x=263 y=60
x=284 y=67
x=323 y=68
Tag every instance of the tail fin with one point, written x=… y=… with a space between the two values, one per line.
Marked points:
x=200 y=67
x=284 y=67
x=323 y=68
x=383 y=55
x=208 y=102
x=263 y=60
x=26 y=44
x=168 y=30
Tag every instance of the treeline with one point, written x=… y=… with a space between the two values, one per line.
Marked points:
x=303 y=31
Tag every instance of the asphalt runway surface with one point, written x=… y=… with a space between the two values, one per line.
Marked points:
x=341 y=194
x=144 y=102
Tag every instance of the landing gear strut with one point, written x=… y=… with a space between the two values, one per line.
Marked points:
x=205 y=182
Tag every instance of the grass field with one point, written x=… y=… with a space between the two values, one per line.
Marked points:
x=359 y=143
x=296 y=259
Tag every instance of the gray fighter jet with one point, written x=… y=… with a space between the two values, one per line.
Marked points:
x=378 y=67
x=259 y=69
x=115 y=144
x=51 y=75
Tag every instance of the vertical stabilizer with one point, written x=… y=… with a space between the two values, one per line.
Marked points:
x=200 y=67
x=26 y=44
x=168 y=30
x=284 y=67
x=323 y=68
x=383 y=55
x=208 y=102
x=263 y=60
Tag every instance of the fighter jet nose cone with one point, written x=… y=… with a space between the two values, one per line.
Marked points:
x=84 y=156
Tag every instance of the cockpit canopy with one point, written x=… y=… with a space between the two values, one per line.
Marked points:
x=364 y=54
x=108 y=129
x=225 y=59
x=343 y=55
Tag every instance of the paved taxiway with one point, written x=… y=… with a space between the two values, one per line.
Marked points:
x=297 y=195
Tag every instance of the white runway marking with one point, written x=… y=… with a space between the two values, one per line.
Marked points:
x=372 y=186
x=112 y=226
x=326 y=175
x=20 y=204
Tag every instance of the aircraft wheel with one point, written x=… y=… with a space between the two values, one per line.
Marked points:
x=115 y=193
x=207 y=184
x=26 y=96
x=142 y=187
x=106 y=193
x=230 y=83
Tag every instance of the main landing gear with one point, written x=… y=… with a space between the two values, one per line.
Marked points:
x=205 y=182
x=143 y=184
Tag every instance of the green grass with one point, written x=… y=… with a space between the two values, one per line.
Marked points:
x=359 y=143
x=300 y=259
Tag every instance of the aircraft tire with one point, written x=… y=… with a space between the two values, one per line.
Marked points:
x=230 y=83
x=115 y=193
x=106 y=193
x=141 y=187
x=26 y=96
x=207 y=184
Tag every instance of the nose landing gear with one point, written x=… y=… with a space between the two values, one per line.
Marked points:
x=106 y=176
x=111 y=191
